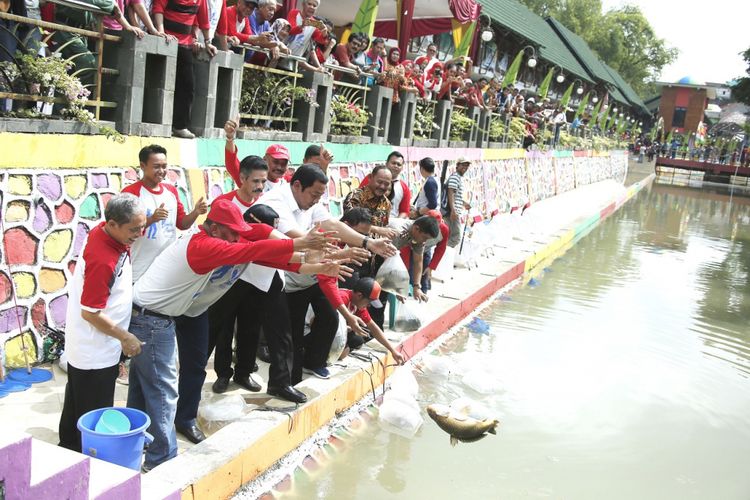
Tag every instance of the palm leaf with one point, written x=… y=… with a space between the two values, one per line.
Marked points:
x=595 y=113
x=512 y=73
x=544 y=87
x=582 y=106
x=603 y=118
x=465 y=45
x=364 y=21
x=566 y=96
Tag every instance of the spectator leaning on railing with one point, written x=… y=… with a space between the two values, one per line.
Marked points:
x=304 y=24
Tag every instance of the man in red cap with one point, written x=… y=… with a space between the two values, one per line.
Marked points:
x=170 y=304
x=277 y=159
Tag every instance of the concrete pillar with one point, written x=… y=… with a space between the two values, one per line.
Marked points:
x=379 y=105
x=483 y=134
x=315 y=121
x=218 y=84
x=144 y=87
x=402 y=121
x=443 y=112
x=474 y=114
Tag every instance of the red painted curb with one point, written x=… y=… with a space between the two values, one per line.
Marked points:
x=420 y=339
x=607 y=211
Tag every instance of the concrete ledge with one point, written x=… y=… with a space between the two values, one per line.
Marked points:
x=51 y=126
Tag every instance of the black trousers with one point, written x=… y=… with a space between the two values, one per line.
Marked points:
x=311 y=351
x=192 y=351
x=253 y=309
x=184 y=86
x=86 y=390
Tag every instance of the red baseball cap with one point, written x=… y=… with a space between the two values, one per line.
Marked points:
x=278 y=151
x=227 y=214
x=370 y=289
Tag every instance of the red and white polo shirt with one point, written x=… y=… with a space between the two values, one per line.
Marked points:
x=102 y=281
x=160 y=234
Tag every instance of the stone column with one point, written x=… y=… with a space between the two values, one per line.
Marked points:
x=379 y=105
x=402 y=123
x=314 y=122
x=218 y=84
x=443 y=112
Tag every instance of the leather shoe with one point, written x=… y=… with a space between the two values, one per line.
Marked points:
x=192 y=433
x=248 y=383
x=287 y=392
x=264 y=354
x=255 y=367
x=221 y=385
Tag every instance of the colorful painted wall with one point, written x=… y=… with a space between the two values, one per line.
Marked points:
x=53 y=190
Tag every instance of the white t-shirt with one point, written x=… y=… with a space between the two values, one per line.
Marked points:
x=398 y=195
x=102 y=281
x=197 y=270
x=158 y=235
x=291 y=217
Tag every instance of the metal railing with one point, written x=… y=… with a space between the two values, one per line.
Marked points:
x=352 y=95
x=34 y=90
x=269 y=93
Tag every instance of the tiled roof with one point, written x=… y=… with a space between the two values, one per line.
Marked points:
x=588 y=59
x=516 y=17
x=626 y=89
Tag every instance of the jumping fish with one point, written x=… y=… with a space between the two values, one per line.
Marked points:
x=460 y=426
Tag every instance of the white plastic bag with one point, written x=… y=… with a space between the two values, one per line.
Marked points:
x=438 y=365
x=339 y=341
x=482 y=381
x=444 y=270
x=403 y=381
x=399 y=417
x=406 y=318
x=218 y=410
x=393 y=276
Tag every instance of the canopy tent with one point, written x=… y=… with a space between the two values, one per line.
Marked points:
x=418 y=17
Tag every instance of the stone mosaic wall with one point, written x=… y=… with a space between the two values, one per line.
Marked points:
x=46 y=215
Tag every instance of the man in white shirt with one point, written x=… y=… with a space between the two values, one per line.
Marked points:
x=164 y=211
x=99 y=305
x=299 y=210
x=170 y=304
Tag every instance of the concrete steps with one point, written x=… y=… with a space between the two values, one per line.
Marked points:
x=30 y=468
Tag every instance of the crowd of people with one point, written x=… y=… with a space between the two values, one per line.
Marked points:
x=268 y=270
x=201 y=28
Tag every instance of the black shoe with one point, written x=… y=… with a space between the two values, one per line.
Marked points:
x=248 y=383
x=255 y=367
x=264 y=354
x=192 y=433
x=221 y=385
x=287 y=392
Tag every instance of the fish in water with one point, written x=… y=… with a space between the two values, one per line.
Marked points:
x=460 y=426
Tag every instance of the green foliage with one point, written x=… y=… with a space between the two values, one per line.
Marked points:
x=512 y=73
x=565 y=99
x=460 y=125
x=544 y=87
x=741 y=89
x=364 y=21
x=271 y=95
x=582 y=105
x=465 y=43
x=516 y=130
x=622 y=37
x=424 y=121
x=497 y=129
x=348 y=118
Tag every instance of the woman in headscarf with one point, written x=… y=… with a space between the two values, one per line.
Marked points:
x=394 y=75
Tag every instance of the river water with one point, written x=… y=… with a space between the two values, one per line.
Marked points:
x=623 y=373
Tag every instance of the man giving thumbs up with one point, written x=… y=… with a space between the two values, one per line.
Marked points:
x=164 y=211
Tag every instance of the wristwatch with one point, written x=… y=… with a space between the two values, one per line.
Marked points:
x=364 y=242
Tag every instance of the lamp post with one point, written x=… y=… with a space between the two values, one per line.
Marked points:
x=594 y=97
x=579 y=89
x=560 y=76
x=531 y=63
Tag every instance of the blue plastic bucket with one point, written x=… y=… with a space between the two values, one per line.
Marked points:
x=124 y=448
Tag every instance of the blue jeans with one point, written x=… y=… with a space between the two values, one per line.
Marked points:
x=153 y=383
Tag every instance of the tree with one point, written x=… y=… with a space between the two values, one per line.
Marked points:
x=741 y=88
x=623 y=38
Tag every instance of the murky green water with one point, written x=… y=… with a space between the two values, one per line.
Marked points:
x=624 y=374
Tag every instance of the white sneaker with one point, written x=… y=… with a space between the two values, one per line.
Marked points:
x=183 y=133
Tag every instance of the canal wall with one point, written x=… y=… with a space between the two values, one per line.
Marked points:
x=53 y=189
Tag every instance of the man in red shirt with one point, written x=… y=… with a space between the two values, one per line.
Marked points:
x=179 y=19
x=99 y=306
x=276 y=157
x=352 y=305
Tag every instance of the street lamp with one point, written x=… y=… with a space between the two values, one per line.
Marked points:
x=579 y=89
x=560 y=77
x=487 y=35
x=595 y=97
x=531 y=63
